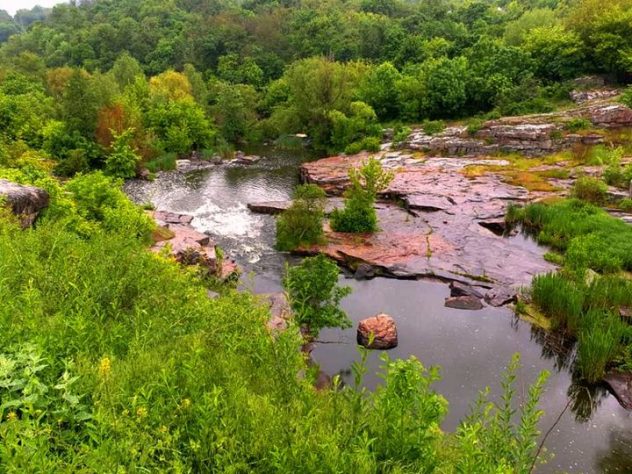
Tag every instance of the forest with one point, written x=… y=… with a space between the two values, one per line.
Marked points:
x=114 y=359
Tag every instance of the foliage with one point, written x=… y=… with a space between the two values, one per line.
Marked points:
x=590 y=189
x=577 y=124
x=432 y=127
x=302 y=223
x=359 y=214
x=314 y=294
x=123 y=160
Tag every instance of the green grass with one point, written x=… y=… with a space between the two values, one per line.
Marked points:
x=586 y=237
x=165 y=162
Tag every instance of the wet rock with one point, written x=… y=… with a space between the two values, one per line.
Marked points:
x=25 y=202
x=620 y=385
x=497 y=226
x=383 y=329
x=461 y=289
x=364 y=272
x=501 y=296
x=269 y=207
x=428 y=202
x=165 y=217
x=242 y=159
x=471 y=303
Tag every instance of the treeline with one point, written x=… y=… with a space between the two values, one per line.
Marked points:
x=152 y=80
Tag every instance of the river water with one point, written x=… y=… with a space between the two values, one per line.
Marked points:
x=594 y=434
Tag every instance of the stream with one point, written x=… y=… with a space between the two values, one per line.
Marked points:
x=594 y=434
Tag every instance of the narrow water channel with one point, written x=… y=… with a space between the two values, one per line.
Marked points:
x=472 y=348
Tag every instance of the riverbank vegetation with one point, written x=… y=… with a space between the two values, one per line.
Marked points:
x=592 y=295
x=302 y=223
x=114 y=358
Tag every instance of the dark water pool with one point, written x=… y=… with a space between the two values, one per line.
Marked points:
x=472 y=348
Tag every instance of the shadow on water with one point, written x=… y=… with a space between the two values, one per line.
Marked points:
x=472 y=348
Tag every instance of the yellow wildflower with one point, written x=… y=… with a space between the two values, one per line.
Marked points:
x=105 y=366
x=12 y=416
x=141 y=412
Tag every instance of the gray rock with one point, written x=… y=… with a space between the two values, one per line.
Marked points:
x=470 y=303
x=461 y=289
x=364 y=272
x=26 y=202
x=500 y=296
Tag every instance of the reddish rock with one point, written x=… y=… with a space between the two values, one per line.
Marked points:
x=611 y=115
x=383 y=329
x=620 y=384
x=469 y=302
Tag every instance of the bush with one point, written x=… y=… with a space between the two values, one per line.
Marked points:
x=577 y=124
x=626 y=205
x=315 y=296
x=122 y=161
x=359 y=214
x=626 y=97
x=590 y=189
x=165 y=162
x=302 y=223
x=432 y=127
x=474 y=126
x=366 y=144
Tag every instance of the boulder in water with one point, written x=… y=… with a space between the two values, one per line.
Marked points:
x=383 y=330
x=471 y=303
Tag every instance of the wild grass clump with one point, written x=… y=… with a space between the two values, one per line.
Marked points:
x=598 y=240
x=599 y=343
x=579 y=300
x=577 y=124
x=302 y=223
x=590 y=189
x=433 y=127
x=165 y=162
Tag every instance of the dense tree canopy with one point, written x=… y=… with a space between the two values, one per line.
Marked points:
x=205 y=74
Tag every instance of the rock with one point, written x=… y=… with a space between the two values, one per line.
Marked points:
x=471 y=303
x=383 y=329
x=280 y=311
x=626 y=313
x=144 y=174
x=172 y=217
x=497 y=226
x=589 y=82
x=242 y=159
x=581 y=96
x=364 y=272
x=212 y=294
x=500 y=296
x=620 y=385
x=25 y=202
x=428 y=203
x=269 y=207
x=323 y=381
x=610 y=116
x=461 y=289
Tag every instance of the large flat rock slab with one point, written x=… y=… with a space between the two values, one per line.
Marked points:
x=447 y=229
x=25 y=202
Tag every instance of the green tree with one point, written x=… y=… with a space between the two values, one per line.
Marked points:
x=378 y=89
x=125 y=70
x=315 y=296
x=302 y=223
x=122 y=160
x=359 y=213
x=558 y=54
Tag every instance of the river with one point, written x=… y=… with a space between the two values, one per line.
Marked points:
x=594 y=434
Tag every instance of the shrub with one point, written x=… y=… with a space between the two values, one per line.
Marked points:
x=474 y=126
x=366 y=144
x=359 y=214
x=314 y=294
x=626 y=204
x=577 y=124
x=432 y=127
x=165 y=162
x=401 y=134
x=590 y=189
x=302 y=223
x=122 y=161
x=626 y=97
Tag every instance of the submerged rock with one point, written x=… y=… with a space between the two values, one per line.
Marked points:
x=364 y=272
x=383 y=329
x=25 y=202
x=620 y=385
x=461 y=289
x=471 y=303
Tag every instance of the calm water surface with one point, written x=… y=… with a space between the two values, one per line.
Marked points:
x=472 y=348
